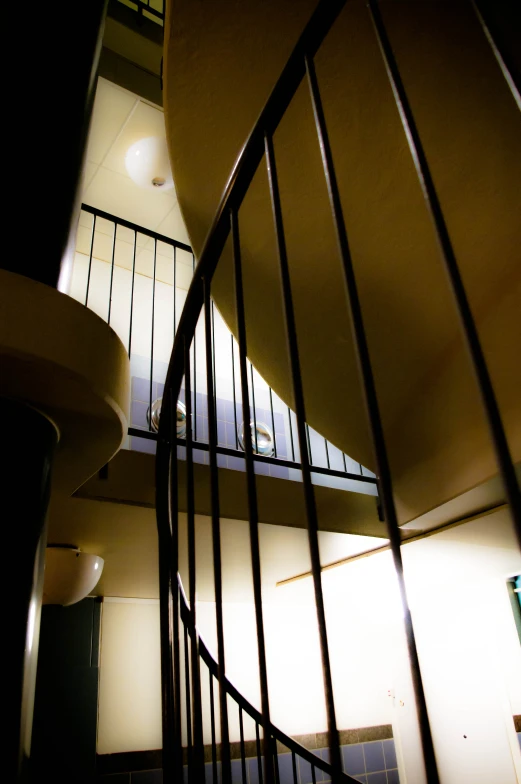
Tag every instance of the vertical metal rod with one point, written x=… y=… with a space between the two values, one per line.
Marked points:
x=152 y=338
x=190 y=513
x=508 y=68
x=373 y=411
x=254 y=411
x=90 y=259
x=276 y=761
x=273 y=425
x=448 y=256
x=112 y=270
x=243 y=750
x=216 y=537
x=327 y=453
x=294 y=766
x=300 y=410
x=344 y=461
x=213 y=360
x=313 y=775
x=175 y=286
x=234 y=396
x=361 y=469
x=132 y=295
x=188 y=707
x=259 y=755
x=252 y=495
x=212 y=724
x=291 y=435
x=195 y=366
x=308 y=443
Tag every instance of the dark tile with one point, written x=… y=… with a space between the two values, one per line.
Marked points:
x=380 y=732
x=222 y=461
x=361 y=779
x=228 y=411
x=353 y=759
x=140 y=389
x=237 y=772
x=221 y=409
x=209 y=773
x=282 y=449
x=160 y=389
x=199 y=455
x=279 y=472
x=374 y=756
x=253 y=770
x=519 y=739
x=230 y=435
x=347 y=737
x=262 y=469
x=285 y=769
x=306 y=776
x=390 y=754
x=393 y=777
x=182 y=395
x=201 y=400
x=138 y=414
x=147 y=777
x=143 y=445
x=279 y=423
x=221 y=432
x=377 y=778
x=181 y=453
x=237 y=463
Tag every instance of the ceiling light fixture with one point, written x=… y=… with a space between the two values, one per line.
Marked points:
x=70 y=575
x=148 y=165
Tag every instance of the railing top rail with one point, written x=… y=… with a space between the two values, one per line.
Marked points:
x=255 y=714
x=134 y=227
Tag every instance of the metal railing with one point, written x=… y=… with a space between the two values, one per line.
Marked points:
x=175 y=613
x=99 y=290
x=150 y=9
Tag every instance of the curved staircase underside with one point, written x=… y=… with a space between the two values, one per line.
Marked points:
x=221 y=61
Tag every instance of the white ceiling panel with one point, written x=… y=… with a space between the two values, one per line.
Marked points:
x=173 y=226
x=117 y=194
x=112 y=107
x=145 y=121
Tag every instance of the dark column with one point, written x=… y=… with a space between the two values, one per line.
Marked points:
x=53 y=81
x=29 y=442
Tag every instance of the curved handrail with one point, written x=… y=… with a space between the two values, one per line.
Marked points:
x=291 y=744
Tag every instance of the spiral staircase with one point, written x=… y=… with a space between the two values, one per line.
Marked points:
x=326 y=257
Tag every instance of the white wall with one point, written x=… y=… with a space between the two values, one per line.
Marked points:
x=129 y=717
x=468 y=645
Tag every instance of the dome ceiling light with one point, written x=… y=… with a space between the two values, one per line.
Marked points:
x=70 y=575
x=148 y=165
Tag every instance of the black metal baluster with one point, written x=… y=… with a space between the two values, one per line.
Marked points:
x=313 y=775
x=216 y=536
x=90 y=259
x=152 y=339
x=195 y=366
x=132 y=295
x=254 y=411
x=212 y=724
x=311 y=510
x=243 y=750
x=190 y=514
x=273 y=425
x=252 y=495
x=189 y=749
x=213 y=359
x=175 y=286
x=508 y=67
x=373 y=411
x=276 y=761
x=294 y=767
x=234 y=396
x=327 y=453
x=468 y=325
x=291 y=435
x=308 y=443
x=112 y=270
x=259 y=755
x=344 y=460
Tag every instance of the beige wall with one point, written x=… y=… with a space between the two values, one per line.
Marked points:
x=130 y=679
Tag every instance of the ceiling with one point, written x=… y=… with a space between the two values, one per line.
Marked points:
x=119 y=119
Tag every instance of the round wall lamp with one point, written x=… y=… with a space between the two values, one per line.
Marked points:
x=156 y=413
x=70 y=575
x=148 y=165
x=262 y=443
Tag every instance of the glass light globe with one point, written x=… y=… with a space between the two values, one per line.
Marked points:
x=148 y=165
